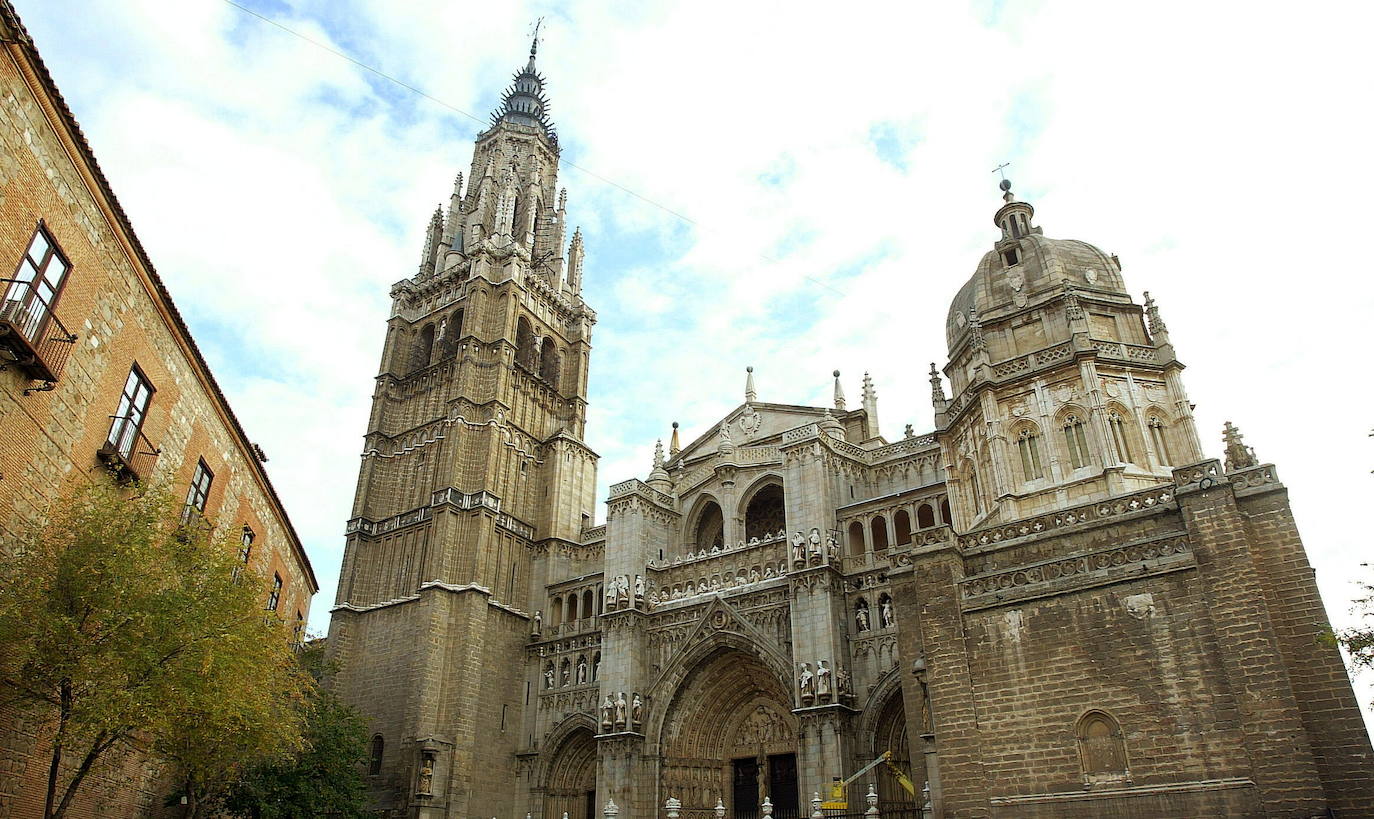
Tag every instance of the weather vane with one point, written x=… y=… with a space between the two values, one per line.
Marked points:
x=534 y=34
x=998 y=169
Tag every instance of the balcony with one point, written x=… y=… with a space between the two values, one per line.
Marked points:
x=127 y=452
x=31 y=335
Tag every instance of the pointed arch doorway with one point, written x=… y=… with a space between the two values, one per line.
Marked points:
x=570 y=784
x=730 y=734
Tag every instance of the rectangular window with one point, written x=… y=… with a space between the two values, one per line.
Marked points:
x=36 y=284
x=127 y=421
x=245 y=550
x=274 y=599
x=198 y=493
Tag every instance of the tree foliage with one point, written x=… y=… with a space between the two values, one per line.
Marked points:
x=1358 y=640
x=324 y=779
x=119 y=623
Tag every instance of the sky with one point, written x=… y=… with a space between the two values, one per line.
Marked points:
x=800 y=192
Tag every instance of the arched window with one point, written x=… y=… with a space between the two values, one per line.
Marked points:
x=374 y=757
x=1160 y=439
x=765 y=513
x=1076 y=441
x=710 y=528
x=903 y=525
x=587 y=603
x=556 y=615
x=1028 y=444
x=453 y=330
x=549 y=362
x=424 y=345
x=878 y=528
x=572 y=607
x=600 y=597
x=1101 y=748
x=856 y=538
x=1120 y=444
x=925 y=516
x=525 y=352
x=945 y=517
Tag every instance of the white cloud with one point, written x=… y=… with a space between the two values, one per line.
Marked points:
x=282 y=190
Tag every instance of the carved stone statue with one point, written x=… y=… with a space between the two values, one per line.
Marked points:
x=622 y=590
x=637 y=710
x=861 y=618
x=639 y=587
x=806 y=683
x=567 y=672
x=798 y=548
x=548 y=676
x=832 y=548
x=918 y=668
x=885 y=609
x=607 y=713
x=596 y=667
x=425 y=786
x=620 y=706
x=610 y=595
x=844 y=684
x=816 y=554
x=823 y=688
x=581 y=670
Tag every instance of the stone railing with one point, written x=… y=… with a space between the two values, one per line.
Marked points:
x=594 y=533
x=906 y=446
x=1102 y=562
x=718 y=571
x=635 y=486
x=1086 y=513
x=805 y=432
x=1032 y=361
x=748 y=456
x=387 y=525
x=513 y=524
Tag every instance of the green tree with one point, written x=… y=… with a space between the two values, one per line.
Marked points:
x=1359 y=640
x=117 y=623
x=325 y=779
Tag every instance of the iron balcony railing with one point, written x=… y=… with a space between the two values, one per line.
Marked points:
x=127 y=451
x=31 y=335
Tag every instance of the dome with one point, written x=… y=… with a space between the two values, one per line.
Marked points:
x=1041 y=264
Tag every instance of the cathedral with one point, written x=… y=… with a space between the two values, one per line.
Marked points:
x=1053 y=604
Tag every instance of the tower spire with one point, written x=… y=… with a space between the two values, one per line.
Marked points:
x=524 y=102
x=839 y=392
x=673 y=446
x=1238 y=455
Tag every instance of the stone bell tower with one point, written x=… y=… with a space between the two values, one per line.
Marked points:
x=473 y=471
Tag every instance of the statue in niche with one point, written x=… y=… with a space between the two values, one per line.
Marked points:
x=426 y=784
x=596 y=667
x=610 y=595
x=548 y=676
x=581 y=670
x=567 y=672
x=624 y=594
x=861 y=615
x=816 y=554
x=620 y=706
x=607 y=713
x=844 y=684
x=806 y=683
x=538 y=623
x=832 y=548
x=754 y=575
x=637 y=710
x=799 y=548
x=885 y=610
x=918 y=668
x=639 y=587
x=823 y=680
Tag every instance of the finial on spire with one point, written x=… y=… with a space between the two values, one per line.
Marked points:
x=750 y=395
x=673 y=446
x=534 y=39
x=937 y=387
x=839 y=393
x=1238 y=455
x=870 y=394
x=1156 y=324
x=658 y=476
x=975 y=327
x=658 y=453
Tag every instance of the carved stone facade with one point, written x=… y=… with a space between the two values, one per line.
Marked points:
x=1052 y=604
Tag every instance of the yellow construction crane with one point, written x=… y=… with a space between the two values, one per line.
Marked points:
x=838 y=789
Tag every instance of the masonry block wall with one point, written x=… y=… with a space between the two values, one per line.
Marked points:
x=122 y=316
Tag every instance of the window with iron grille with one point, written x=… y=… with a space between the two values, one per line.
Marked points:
x=133 y=408
x=38 y=281
x=274 y=599
x=198 y=493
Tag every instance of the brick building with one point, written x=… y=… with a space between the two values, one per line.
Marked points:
x=99 y=379
x=1053 y=604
